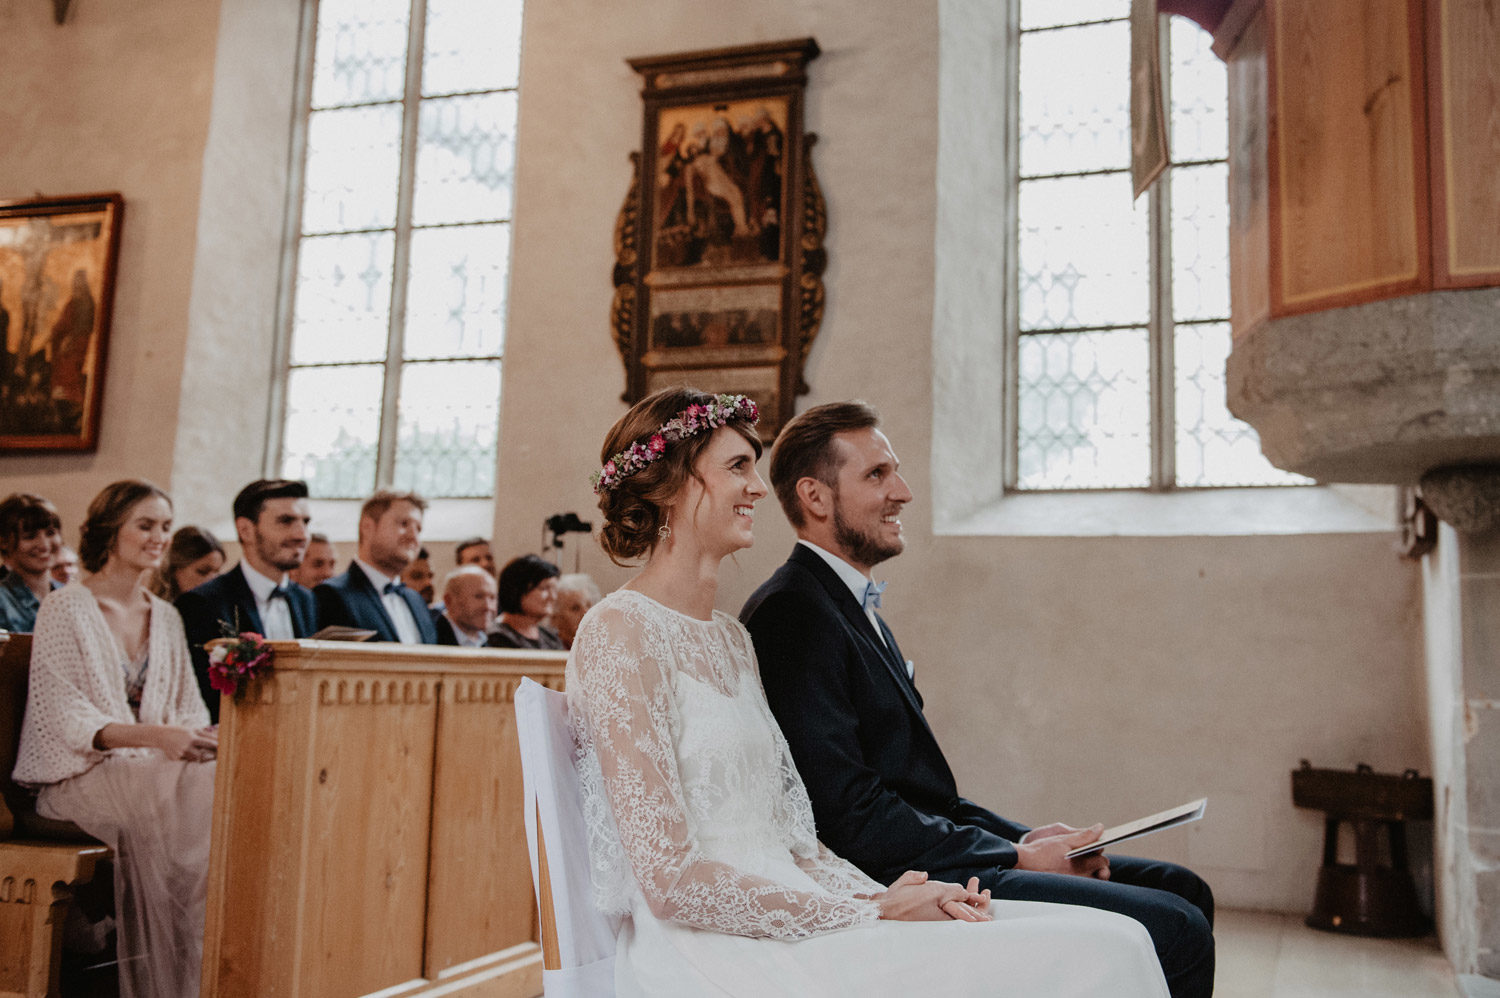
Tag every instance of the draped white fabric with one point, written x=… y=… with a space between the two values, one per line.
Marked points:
x=701 y=831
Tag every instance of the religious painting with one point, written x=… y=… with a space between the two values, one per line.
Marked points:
x=57 y=277
x=719 y=245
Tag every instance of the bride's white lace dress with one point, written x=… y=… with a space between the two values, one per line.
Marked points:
x=701 y=832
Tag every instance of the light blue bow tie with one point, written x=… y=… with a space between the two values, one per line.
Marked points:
x=871 y=597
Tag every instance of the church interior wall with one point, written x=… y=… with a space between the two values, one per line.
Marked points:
x=1077 y=679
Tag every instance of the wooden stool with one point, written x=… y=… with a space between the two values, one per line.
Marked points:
x=1365 y=898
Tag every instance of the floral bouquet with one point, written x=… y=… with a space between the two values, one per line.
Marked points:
x=237 y=658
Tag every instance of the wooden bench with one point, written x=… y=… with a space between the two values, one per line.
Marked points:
x=41 y=861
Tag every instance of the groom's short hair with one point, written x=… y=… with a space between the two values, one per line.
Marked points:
x=804 y=449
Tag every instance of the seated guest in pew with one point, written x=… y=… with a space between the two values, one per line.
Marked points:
x=30 y=537
x=576 y=594
x=469 y=603
x=846 y=700
x=699 y=828
x=475 y=551
x=528 y=595
x=370 y=594
x=65 y=566
x=319 y=564
x=116 y=738
x=418 y=577
x=271 y=518
x=194 y=557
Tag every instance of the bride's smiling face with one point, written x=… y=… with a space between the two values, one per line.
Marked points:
x=721 y=508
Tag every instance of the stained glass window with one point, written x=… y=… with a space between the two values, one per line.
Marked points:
x=1122 y=315
x=397 y=327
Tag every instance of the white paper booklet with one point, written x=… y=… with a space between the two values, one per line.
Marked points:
x=1170 y=818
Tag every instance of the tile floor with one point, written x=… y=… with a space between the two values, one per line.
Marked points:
x=1263 y=955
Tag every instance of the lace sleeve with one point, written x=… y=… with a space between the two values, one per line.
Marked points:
x=838 y=875
x=624 y=716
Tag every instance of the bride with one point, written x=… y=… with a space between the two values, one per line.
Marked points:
x=700 y=830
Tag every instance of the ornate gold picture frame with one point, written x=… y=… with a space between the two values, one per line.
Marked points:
x=719 y=246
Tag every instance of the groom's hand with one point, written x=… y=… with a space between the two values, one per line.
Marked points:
x=1045 y=850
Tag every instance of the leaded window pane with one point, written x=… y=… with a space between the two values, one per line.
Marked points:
x=465 y=158
x=471 y=45
x=361 y=51
x=332 y=429
x=456 y=295
x=353 y=162
x=1200 y=95
x=448 y=428
x=1075 y=112
x=1200 y=242
x=1085 y=420
x=1214 y=448
x=1048 y=13
x=343 y=298
x=1083 y=253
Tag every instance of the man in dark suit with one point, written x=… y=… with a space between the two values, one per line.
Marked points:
x=271 y=518
x=883 y=795
x=470 y=601
x=369 y=594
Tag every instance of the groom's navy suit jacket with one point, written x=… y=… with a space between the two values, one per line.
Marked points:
x=883 y=796
x=227 y=599
x=349 y=599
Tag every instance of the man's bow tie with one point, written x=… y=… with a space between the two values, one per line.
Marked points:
x=393 y=587
x=277 y=592
x=871 y=597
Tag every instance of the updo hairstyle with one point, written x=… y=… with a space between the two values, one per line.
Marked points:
x=106 y=515
x=635 y=509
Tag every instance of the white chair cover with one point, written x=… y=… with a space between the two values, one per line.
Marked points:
x=584 y=937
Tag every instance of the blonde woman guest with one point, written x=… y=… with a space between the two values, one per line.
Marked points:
x=576 y=595
x=115 y=738
x=194 y=557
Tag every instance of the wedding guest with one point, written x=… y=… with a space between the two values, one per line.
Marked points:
x=700 y=835
x=270 y=519
x=319 y=564
x=370 y=594
x=418 y=577
x=65 y=566
x=194 y=557
x=475 y=551
x=528 y=595
x=576 y=594
x=469 y=603
x=30 y=537
x=116 y=738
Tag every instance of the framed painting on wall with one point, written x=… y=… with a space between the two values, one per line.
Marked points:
x=719 y=245
x=57 y=280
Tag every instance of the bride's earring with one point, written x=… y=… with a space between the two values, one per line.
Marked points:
x=665 y=530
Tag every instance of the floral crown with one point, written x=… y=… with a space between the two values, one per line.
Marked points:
x=689 y=422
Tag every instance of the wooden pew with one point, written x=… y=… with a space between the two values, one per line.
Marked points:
x=367 y=830
x=41 y=861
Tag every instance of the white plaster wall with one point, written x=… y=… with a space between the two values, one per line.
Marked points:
x=1074 y=678
x=116 y=99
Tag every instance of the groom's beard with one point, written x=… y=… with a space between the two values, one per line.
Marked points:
x=863 y=547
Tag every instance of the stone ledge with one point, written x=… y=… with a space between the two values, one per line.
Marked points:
x=1380 y=392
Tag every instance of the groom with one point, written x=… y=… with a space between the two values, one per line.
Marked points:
x=882 y=793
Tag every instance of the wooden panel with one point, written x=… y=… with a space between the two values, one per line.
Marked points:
x=480 y=882
x=1249 y=195
x=1464 y=75
x=1348 y=175
x=368 y=835
x=251 y=933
